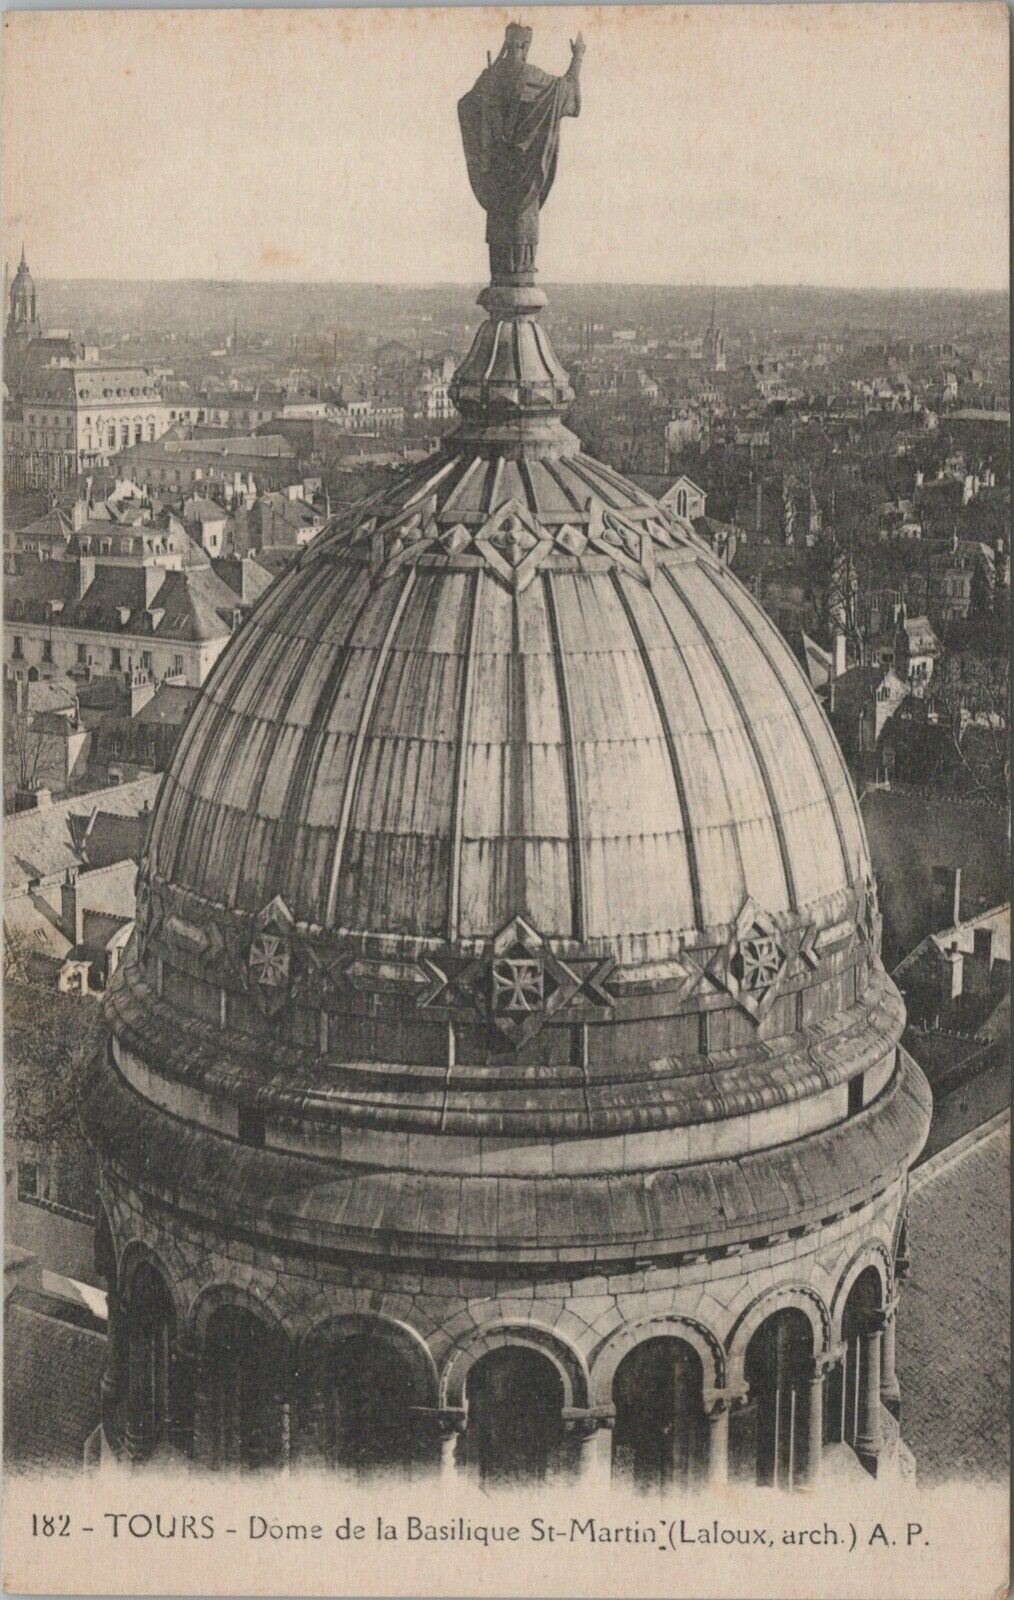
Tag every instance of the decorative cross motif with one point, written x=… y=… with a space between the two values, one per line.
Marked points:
x=753 y=964
x=518 y=985
x=513 y=544
x=617 y=536
x=757 y=962
x=269 y=958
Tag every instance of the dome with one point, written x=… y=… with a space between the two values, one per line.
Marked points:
x=509 y=826
x=510 y=779
x=512 y=687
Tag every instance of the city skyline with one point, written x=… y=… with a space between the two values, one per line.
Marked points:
x=781 y=165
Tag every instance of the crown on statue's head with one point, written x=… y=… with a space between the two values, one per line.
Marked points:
x=517 y=33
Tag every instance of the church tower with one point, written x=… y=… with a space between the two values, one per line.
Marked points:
x=22 y=316
x=23 y=324
x=714 y=342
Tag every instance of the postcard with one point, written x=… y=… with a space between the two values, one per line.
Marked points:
x=506 y=652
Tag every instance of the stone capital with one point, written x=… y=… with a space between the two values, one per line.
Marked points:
x=718 y=1401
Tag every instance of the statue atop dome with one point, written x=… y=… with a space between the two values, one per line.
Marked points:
x=510 y=127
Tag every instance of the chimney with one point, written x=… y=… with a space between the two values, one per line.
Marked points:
x=946 y=908
x=71 y=909
x=954 y=964
x=85 y=575
x=79 y=514
x=838 y=663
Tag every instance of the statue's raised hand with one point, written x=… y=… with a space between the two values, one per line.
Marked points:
x=578 y=47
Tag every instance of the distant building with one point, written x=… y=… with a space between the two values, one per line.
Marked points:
x=23 y=325
x=685 y=499
x=713 y=350
x=208 y=524
x=70 y=419
x=92 y=615
x=685 y=427
x=226 y=466
x=865 y=699
x=957 y=980
x=284 y=521
x=917 y=649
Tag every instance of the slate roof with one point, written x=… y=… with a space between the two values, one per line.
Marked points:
x=41 y=843
x=195 y=604
x=997 y=921
x=200 y=509
x=88 y=382
x=245 y=576
x=52 y=1373
x=171 y=703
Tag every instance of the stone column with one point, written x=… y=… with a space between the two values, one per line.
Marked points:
x=136 y=1440
x=449 y=1432
x=182 y=1399
x=813 y=1451
x=890 y=1389
x=868 y=1439
x=716 y=1463
x=446 y=1426
x=594 y=1431
x=114 y=1378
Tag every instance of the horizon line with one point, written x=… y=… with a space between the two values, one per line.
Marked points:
x=707 y=285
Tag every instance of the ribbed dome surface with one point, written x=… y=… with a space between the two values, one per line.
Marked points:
x=511 y=687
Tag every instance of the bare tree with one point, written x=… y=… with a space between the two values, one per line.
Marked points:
x=48 y=1040
x=27 y=744
x=972 y=696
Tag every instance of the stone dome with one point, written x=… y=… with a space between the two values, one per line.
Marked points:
x=509 y=815
x=514 y=688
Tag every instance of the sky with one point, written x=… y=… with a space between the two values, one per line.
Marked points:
x=851 y=145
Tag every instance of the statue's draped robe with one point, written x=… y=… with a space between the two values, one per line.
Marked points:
x=510 y=127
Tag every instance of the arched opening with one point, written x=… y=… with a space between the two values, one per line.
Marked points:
x=515 y=1432
x=362 y=1390
x=854 y=1375
x=243 y=1416
x=659 y=1437
x=150 y=1321
x=770 y=1449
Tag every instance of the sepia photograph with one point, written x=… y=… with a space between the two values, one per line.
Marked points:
x=506 y=638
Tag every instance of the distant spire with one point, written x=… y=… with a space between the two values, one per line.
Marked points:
x=24 y=263
x=714 y=305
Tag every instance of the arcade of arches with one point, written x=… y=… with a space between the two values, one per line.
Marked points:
x=793 y=1389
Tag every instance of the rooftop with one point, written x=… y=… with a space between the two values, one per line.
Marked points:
x=957 y=1302
x=190 y=606
x=45 y=842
